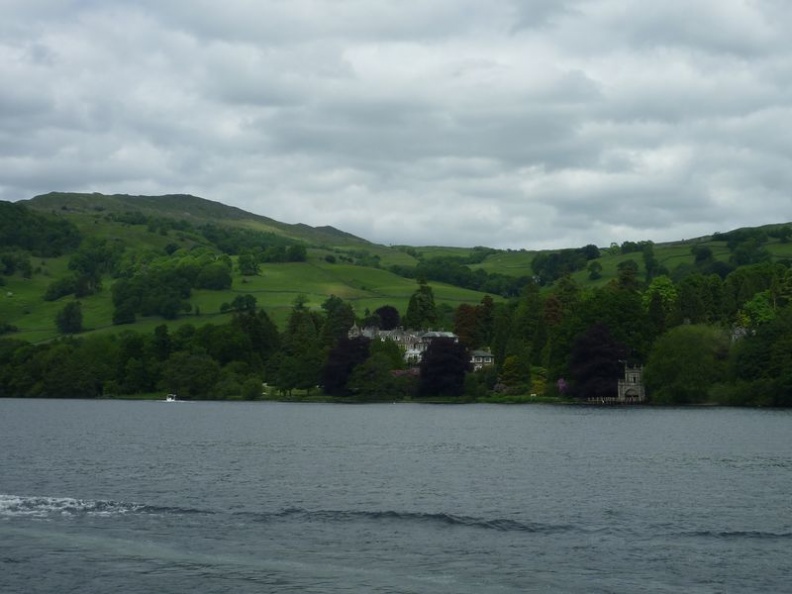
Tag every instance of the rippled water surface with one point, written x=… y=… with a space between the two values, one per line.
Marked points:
x=113 y=496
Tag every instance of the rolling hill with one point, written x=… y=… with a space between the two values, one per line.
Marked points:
x=336 y=262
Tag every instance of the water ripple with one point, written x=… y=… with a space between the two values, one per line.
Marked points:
x=44 y=507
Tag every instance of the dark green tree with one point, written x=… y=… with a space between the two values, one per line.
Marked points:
x=190 y=375
x=685 y=363
x=137 y=365
x=42 y=235
x=627 y=275
x=762 y=363
x=289 y=374
x=302 y=355
x=421 y=310
x=215 y=276
x=590 y=251
x=161 y=344
x=124 y=312
x=691 y=306
x=466 y=325
x=620 y=310
x=13 y=262
x=443 y=367
x=372 y=379
x=702 y=256
x=342 y=360
x=596 y=363
x=652 y=266
x=485 y=316
x=137 y=377
x=224 y=343
x=248 y=265
x=750 y=251
x=389 y=349
x=243 y=303
x=339 y=318
x=516 y=370
x=549 y=266
x=660 y=300
x=60 y=288
x=96 y=257
x=296 y=253
x=389 y=318
x=251 y=388
x=527 y=317
x=262 y=335
x=70 y=319
x=63 y=373
x=502 y=332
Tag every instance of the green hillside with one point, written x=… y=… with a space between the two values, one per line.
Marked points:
x=275 y=288
x=145 y=232
x=670 y=255
x=182 y=206
x=336 y=263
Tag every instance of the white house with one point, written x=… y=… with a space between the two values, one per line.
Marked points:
x=413 y=343
x=482 y=359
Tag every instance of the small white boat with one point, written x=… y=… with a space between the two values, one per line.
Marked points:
x=170 y=398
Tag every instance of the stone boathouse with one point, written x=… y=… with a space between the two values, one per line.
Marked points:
x=629 y=390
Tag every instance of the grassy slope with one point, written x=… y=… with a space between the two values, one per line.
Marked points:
x=670 y=255
x=275 y=288
x=190 y=208
x=277 y=285
x=511 y=263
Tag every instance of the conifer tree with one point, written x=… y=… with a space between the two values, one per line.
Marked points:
x=421 y=311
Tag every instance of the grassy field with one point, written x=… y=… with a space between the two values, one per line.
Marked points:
x=670 y=255
x=277 y=285
x=511 y=263
x=275 y=289
x=436 y=251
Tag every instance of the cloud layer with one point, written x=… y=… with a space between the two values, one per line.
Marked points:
x=523 y=124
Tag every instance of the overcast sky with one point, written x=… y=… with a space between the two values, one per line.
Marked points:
x=513 y=124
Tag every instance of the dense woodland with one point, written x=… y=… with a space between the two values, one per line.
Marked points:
x=710 y=330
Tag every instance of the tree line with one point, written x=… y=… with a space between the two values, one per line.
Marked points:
x=708 y=331
x=42 y=236
x=702 y=339
x=218 y=360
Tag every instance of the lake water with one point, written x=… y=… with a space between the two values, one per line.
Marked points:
x=115 y=496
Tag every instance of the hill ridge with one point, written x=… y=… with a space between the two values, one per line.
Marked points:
x=194 y=209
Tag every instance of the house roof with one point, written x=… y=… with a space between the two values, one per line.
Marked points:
x=485 y=354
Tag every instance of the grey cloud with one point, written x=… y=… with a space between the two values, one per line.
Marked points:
x=514 y=124
x=271 y=22
x=530 y=14
x=711 y=26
